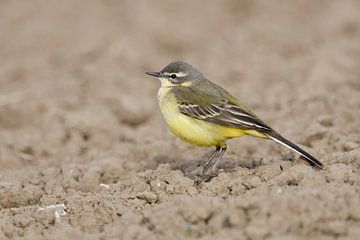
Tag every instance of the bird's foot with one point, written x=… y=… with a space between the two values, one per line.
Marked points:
x=209 y=169
x=200 y=175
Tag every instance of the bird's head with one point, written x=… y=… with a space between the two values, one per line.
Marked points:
x=177 y=74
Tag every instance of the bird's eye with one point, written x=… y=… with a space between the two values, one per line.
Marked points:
x=173 y=76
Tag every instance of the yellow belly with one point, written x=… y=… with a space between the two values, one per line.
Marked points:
x=194 y=131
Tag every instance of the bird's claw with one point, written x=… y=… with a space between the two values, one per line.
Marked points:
x=202 y=174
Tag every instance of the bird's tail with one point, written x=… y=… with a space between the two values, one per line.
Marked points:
x=279 y=139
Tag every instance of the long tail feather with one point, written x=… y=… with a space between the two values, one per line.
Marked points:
x=279 y=139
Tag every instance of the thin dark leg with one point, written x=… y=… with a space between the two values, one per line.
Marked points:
x=210 y=166
x=211 y=158
x=221 y=154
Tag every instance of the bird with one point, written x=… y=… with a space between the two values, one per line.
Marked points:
x=204 y=114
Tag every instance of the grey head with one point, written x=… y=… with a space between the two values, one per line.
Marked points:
x=178 y=72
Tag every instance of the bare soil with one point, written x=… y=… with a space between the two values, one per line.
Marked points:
x=80 y=125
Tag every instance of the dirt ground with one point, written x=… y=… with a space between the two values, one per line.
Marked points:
x=85 y=153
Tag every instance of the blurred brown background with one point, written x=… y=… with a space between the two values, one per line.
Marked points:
x=74 y=98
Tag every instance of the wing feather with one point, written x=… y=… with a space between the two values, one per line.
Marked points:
x=222 y=111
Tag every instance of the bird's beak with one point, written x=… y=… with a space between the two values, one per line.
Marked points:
x=155 y=74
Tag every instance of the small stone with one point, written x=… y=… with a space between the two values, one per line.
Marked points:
x=339 y=172
x=257 y=232
x=150 y=197
x=335 y=228
x=355 y=212
x=254 y=182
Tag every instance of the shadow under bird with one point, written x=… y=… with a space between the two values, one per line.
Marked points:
x=204 y=114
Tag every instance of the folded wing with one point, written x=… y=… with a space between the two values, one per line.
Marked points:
x=219 y=110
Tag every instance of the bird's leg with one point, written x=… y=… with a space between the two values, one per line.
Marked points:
x=221 y=154
x=209 y=168
x=214 y=159
x=208 y=164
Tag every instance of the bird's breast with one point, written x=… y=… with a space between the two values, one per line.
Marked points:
x=192 y=130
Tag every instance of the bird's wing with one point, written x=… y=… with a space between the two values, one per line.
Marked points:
x=218 y=109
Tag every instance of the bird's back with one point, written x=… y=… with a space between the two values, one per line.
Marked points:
x=213 y=89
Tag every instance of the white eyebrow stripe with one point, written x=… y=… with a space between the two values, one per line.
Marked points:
x=178 y=74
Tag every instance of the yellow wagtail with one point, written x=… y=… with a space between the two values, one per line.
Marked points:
x=204 y=114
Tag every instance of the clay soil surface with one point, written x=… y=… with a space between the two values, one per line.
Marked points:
x=85 y=153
